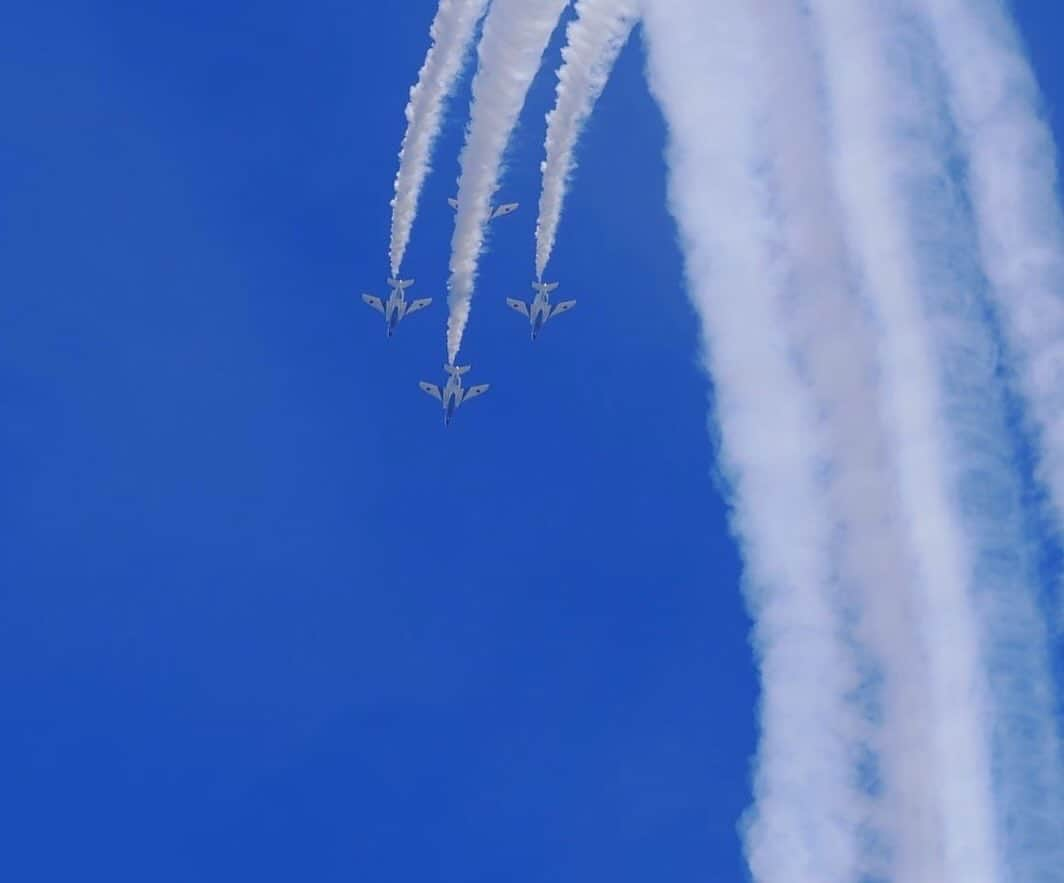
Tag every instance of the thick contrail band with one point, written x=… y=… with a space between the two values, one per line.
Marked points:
x=702 y=58
x=893 y=824
x=516 y=33
x=594 y=40
x=889 y=163
x=452 y=34
x=1014 y=186
x=1011 y=173
x=831 y=266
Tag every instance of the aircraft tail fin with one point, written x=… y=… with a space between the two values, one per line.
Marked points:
x=401 y=284
x=548 y=287
x=456 y=370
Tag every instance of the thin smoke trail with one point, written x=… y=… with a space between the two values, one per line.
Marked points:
x=516 y=33
x=1014 y=184
x=452 y=33
x=699 y=61
x=889 y=170
x=594 y=40
x=835 y=352
x=1019 y=239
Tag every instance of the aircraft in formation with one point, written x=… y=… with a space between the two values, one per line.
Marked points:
x=397 y=308
x=453 y=395
x=500 y=211
x=539 y=311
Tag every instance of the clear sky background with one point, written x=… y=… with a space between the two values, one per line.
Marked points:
x=261 y=616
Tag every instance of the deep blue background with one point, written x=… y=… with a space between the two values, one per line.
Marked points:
x=261 y=617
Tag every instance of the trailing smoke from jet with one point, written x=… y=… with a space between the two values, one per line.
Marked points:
x=452 y=33
x=1012 y=166
x=702 y=62
x=852 y=286
x=516 y=33
x=837 y=277
x=594 y=40
x=889 y=159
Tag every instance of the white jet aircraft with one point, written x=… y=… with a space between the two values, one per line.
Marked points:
x=397 y=308
x=453 y=394
x=540 y=310
x=498 y=212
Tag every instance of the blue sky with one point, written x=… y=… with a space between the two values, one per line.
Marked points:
x=260 y=615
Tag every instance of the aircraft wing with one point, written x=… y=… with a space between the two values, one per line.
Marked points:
x=562 y=307
x=503 y=210
x=416 y=305
x=518 y=305
x=431 y=389
x=374 y=302
x=473 y=392
x=453 y=203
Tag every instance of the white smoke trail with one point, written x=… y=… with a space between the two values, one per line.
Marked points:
x=835 y=342
x=922 y=496
x=1014 y=187
x=452 y=33
x=594 y=40
x=981 y=475
x=1012 y=179
x=516 y=33
x=701 y=60
x=889 y=169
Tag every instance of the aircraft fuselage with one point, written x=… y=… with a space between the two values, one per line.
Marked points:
x=538 y=317
x=452 y=398
x=395 y=311
x=539 y=312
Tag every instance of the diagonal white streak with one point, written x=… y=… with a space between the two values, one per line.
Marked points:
x=1014 y=187
x=835 y=340
x=594 y=39
x=516 y=33
x=889 y=170
x=700 y=62
x=452 y=34
x=1012 y=181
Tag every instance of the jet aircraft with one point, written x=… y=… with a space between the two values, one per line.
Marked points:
x=500 y=211
x=453 y=394
x=540 y=310
x=397 y=307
